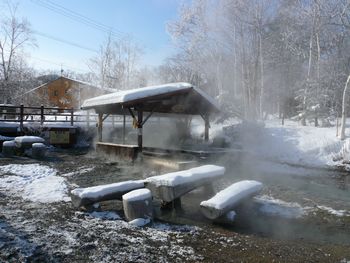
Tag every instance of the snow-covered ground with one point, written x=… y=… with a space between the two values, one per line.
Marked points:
x=33 y=182
x=289 y=143
x=38 y=221
x=300 y=145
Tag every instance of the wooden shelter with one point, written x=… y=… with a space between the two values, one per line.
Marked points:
x=141 y=103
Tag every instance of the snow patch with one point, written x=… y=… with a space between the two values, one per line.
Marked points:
x=82 y=170
x=34 y=182
x=276 y=207
x=49 y=189
x=139 y=222
x=107 y=215
x=332 y=211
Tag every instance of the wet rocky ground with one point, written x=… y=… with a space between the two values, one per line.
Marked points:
x=56 y=232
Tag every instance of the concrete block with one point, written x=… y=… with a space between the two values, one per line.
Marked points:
x=9 y=148
x=138 y=204
x=38 y=150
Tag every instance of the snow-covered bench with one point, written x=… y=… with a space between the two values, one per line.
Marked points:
x=90 y=195
x=168 y=187
x=229 y=198
x=26 y=142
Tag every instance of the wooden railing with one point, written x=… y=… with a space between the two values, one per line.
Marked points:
x=21 y=114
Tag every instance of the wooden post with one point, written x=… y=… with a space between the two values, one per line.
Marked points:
x=41 y=115
x=113 y=121
x=21 y=117
x=99 y=126
x=88 y=119
x=71 y=117
x=139 y=129
x=206 y=128
x=123 y=128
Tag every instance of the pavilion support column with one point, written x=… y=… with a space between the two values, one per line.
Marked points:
x=206 y=127
x=123 y=128
x=99 y=126
x=139 y=129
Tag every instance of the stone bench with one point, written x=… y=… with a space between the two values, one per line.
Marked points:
x=25 y=142
x=229 y=198
x=168 y=187
x=90 y=195
x=138 y=204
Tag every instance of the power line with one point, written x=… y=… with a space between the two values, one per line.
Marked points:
x=60 y=64
x=64 y=41
x=80 y=18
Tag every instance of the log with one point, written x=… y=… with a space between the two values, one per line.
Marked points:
x=38 y=150
x=8 y=148
x=87 y=196
x=138 y=204
x=170 y=186
x=229 y=198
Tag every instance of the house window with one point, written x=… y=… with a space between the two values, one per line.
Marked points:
x=55 y=93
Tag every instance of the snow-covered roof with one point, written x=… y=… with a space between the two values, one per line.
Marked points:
x=162 y=97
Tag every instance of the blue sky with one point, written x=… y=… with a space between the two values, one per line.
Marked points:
x=145 y=20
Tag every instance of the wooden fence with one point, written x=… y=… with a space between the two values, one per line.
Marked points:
x=21 y=114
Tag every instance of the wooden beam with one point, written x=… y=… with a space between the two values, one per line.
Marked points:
x=124 y=128
x=139 y=129
x=206 y=128
x=105 y=117
x=148 y=116
x=131 y=113
x=99 y=126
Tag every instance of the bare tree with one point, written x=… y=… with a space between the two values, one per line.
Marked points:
x=343 y=113
x=265 y=56
x=15 y=35
x=116 y=64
